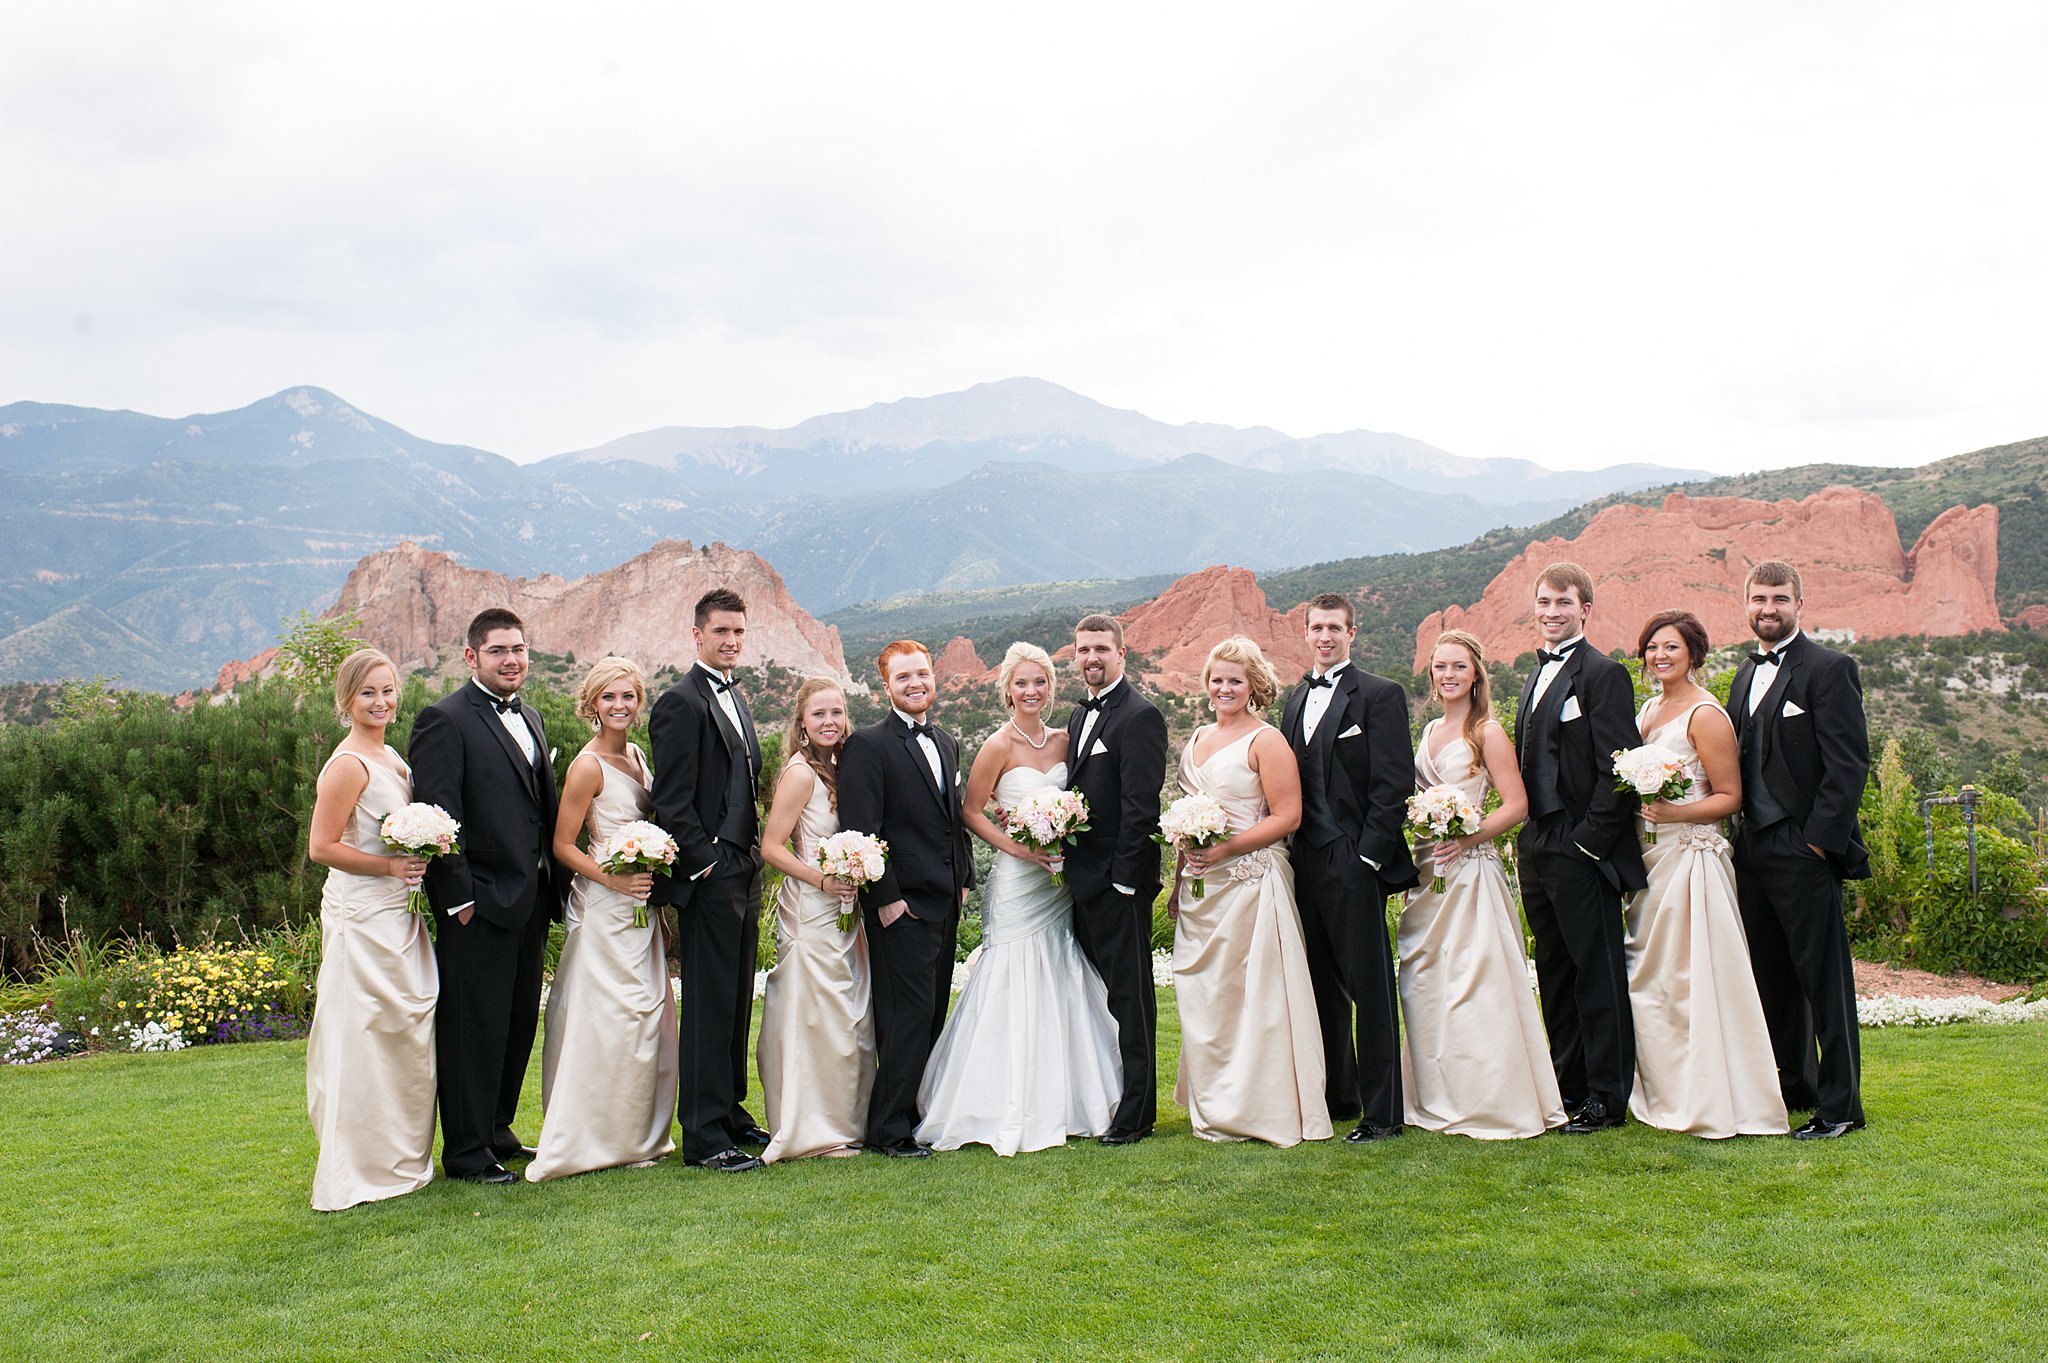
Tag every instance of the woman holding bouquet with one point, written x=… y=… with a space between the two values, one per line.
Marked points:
x=370 y=1056
x=1029 y=1056
x=817 y=1048
x=1251 y=1048
x=608 y=1061
x=1704 y=1063
x=1474 y=1060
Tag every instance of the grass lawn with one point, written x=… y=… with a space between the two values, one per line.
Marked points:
x=154 y=1207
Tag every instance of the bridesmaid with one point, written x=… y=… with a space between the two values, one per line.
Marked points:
x=1704 y=1063
x=1251 y=1051
x=1474 y=1061
x=817 y=1048
x=608 y=1063
x=370 y=1057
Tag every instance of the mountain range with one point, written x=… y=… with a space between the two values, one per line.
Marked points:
x=153 y=549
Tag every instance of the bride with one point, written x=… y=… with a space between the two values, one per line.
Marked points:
x=1029 y=1056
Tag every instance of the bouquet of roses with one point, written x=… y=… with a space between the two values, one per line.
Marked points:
x=1045 y=819
x=1193 y=821
x=1442 y=812
x=1653 y=772
x=857 y=858
x=637 y=846
x=420 y=830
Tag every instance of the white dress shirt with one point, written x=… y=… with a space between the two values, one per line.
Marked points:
x=515 y=725
x=1550 y=670
x=1318 y=702
x=1761 y=679
x=1088 y=720
x=928 y=748
x=726 y=703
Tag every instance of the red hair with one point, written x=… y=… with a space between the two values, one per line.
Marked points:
x=897 y=650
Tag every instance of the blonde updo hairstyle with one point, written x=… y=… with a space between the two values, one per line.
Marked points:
x=355 y=669
x=1019 y=654
x=602 y=674
x=1245 y=653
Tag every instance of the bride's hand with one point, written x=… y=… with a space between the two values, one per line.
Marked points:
x=842 y=890
x=1200 y=860
x=1031 y=854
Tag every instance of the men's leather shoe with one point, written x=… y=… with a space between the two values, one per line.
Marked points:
x=907 y=1150
x=1366 y=1131
x=1818 y=1130
x=1124 y=1137
x=753 y=1135
x=732 y=1161
x=518 y=1152
x=1594 y=1116
x=497 y=1173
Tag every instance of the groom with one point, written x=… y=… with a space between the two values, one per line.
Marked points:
x=899 y=781
x=483 y=756
x=1578 y=850
x=1117 y=759
x=1349 y=731
x=1798 y=712
x=707 y=765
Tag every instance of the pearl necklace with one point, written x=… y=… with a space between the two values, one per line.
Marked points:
x=1044 y=734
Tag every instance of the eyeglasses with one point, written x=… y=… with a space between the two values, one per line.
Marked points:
x=497 y=651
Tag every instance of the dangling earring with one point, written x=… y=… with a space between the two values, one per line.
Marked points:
x=803 y=738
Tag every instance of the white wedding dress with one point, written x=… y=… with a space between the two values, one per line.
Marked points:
x=1029 y=1055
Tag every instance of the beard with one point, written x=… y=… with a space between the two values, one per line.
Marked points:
x=1772 y=631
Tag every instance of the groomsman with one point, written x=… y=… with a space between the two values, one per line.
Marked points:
x=900 y=781
x=1578 y=851
x=1798 y=712
x=1349 y=731
x=483 y=756
x=1117 y=759
x=707 y=765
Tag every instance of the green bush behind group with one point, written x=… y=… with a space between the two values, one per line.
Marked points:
x=129 y=818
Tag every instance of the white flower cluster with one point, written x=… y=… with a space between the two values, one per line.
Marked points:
x=1442 y=812
x=853 y=856
x=152 y=1037
x=1196 y=820
x=1652 y=771
x=423 y=830
x=1893 y=1010
x=1047 y=817
x=636 y=846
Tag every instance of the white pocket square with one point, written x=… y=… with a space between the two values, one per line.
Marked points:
x=1352 y=732
x=956 y=780
x=1098 y=749
x=1571 y=709
x=1791 y=709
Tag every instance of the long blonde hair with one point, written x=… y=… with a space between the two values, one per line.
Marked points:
x=824 y=762
x=1479 y=704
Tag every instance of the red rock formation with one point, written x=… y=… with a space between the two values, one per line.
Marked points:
x=248 y=669
x=1186 y=620
x=1695 y=552
x=415 y=604
x=959 y=665
x=2033 y=617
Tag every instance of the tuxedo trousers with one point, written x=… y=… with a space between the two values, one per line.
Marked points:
x=1114 y=932
x=1791 y=903
x=912 y=965
x=1351 y=965
x=483 y=1034
x=1575 y=915
x=718 y=938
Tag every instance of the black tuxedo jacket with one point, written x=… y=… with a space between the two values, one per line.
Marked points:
x=705 y=773
x=1816 y=747
x=1358 y=771
x=1121 y=776
x=1568 y=763
x=886 y=789
x=465 y=761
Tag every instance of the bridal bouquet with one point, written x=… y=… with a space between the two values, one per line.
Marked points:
x=857 y=858
x=637 y=846
x=1045 y=819
x=420 y=830
x=1442 y=812
x=1653 y=772
x=1193 y=821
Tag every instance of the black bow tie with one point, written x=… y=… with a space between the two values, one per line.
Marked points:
x=721 y=686
x=920 y=731
x=1544 y=655
x=1325 y=680
x=1767 y=659
x=509 y=705
x=1092 y=703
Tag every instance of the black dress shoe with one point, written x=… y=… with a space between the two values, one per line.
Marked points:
x=730 y=1161
x=1366 y=1131
x=1821 y=1130
x=1115 y=1137
x=753 y=1135
x=905 y=1149
x=497 y=1173
x=518 y=1152
x=1594 y=1116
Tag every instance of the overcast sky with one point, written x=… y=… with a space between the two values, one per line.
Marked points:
x=1723 y=234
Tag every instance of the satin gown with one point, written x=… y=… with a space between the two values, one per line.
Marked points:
x=1029 y=1055
x=1704 y=1064
x=608 y=1060
x=816 y=1054
x=1474 y=1060
x=1251 y=1045
x=370 y=1054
